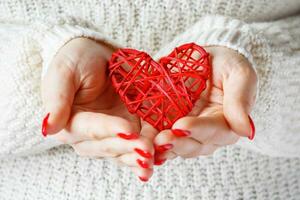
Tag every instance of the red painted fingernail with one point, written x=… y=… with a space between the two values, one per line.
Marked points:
x=144 y=179
x=251 y=137
x=180 y=133
x=130 y=136
x=45 y=124
x=145 y=154
x=163 y=148
x=143 y=164
x=159 y=162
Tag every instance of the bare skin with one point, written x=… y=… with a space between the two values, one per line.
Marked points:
x=86 y=113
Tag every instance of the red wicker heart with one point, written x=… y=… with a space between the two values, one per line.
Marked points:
x=164 y=91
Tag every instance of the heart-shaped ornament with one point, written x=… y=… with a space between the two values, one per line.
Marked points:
x=164 y=91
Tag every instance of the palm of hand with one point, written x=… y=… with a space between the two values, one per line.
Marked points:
x=220 y=115
x=97 y=95
x=86 y=113
x=78 y=81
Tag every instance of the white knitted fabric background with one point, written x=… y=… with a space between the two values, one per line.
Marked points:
x=31 y=33
x=232 y=173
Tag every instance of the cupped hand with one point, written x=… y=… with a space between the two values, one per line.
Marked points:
x=86 y=113
x=220 y=116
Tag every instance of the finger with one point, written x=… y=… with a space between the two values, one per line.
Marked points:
x=204 y=150
x=148 y=130
x=114 y=146
x=135 y=160
x=58 y=90
x=143 y=174
x=180 y=146
x=211 y=129
x=184 y=147
x=108 y=147
x=161 y=158
x=95 y=126
x=163 y=142
x=239 y=96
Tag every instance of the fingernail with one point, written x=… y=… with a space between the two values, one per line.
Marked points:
x=143 y=164
x=144 y=179
x=130 y=136
x=45 y=124
x=145 y=154
x=251 y=137
x=159 y=162
x=180 y=133
x=163 y=148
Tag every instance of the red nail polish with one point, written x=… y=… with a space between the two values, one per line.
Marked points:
x=142 y=164
x=144 y=179
x=163 y=148
x=180 y=133
x=45 y=124
x=145 y=154
x=131 y=136
x=251 y=137
x=159 y=162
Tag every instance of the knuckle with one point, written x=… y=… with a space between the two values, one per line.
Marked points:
x=207 y=140
x=244 y=69
x=124 y=125
x=91 y=134
x=164 y=137
x=186 y=123
x=145 y=144
x=106 y=149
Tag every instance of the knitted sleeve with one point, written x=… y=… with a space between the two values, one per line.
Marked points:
x=26 y=51
x=273 y=48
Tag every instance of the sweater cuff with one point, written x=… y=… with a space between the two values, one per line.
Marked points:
x=57 y=36
x=224 y=31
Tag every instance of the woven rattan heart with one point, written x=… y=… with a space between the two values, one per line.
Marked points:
x=164 y=91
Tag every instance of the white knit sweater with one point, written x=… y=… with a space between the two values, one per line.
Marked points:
x=31 y=33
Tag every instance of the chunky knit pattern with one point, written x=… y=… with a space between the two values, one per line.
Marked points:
x=32 y=32
x=232 y=173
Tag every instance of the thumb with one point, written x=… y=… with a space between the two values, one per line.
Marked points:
x=58 y=90
x=148 y=130
x=239 y=96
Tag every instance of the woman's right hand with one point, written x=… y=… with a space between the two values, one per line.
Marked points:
x=85 y=112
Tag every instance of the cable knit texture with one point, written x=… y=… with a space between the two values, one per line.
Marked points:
x=32 y=32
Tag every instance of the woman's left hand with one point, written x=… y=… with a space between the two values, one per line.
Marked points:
x=220 y=116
